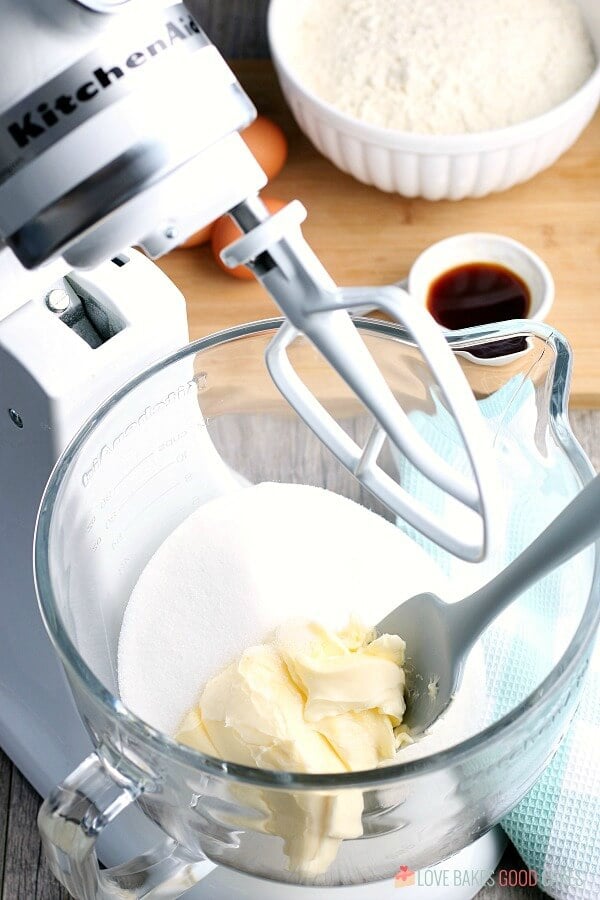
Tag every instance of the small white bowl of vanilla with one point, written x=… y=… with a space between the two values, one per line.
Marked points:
x=442 y=100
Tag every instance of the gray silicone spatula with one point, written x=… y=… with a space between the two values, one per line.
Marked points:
x=439 y=635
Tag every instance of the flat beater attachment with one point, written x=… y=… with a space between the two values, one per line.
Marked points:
x=275 y=249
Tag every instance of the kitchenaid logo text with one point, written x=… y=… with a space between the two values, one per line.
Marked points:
x=49 y=113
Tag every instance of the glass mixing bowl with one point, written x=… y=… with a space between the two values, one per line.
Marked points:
x=180 y=434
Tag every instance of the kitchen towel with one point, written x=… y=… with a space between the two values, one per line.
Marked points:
x=556 y=827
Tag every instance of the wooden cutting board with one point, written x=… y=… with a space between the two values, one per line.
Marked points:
x=364 y=236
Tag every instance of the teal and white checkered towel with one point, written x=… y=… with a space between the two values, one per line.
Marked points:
x=556 y=827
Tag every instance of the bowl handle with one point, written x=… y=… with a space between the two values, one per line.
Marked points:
x=70 y=821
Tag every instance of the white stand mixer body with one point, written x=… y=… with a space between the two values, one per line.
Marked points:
x=114 y=129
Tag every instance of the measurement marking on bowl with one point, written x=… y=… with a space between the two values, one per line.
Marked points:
x=132 y=470
x=144 y=509
x=143 y=485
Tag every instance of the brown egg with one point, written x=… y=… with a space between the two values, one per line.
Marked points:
x=268 y=144
x=200 y=237
x=225 y=232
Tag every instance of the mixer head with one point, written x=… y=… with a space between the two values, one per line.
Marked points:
x=119 y=125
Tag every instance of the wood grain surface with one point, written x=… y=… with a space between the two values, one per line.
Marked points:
x=364 y=236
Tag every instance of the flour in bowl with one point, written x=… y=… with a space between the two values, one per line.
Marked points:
x=442 y=66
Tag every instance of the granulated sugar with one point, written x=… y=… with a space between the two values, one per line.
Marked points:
x=244 y=563
x=442 y=66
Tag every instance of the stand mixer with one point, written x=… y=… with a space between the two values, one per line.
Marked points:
x=101 y=147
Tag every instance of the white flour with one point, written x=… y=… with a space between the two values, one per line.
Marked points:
x=442 y=66
x=242 y=564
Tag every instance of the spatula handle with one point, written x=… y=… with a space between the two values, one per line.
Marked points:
x=577 y=526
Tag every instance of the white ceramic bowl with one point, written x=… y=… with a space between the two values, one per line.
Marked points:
x=432 y=166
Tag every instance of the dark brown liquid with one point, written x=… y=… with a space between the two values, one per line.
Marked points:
x=477 y=293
